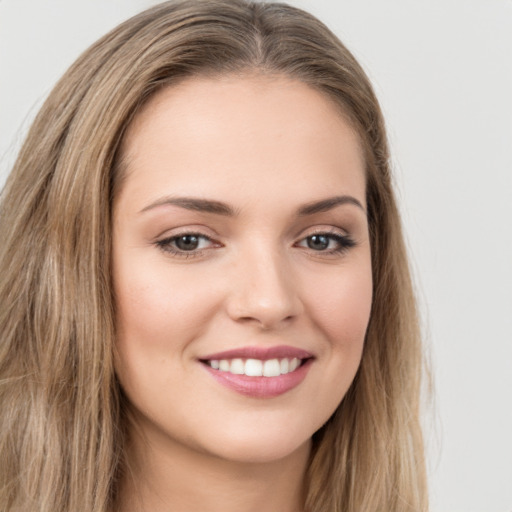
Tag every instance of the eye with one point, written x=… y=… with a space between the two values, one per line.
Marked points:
x=185 y=244
x=189 y=242
x=329 y=243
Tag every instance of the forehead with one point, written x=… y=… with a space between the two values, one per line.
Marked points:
x=235 y=132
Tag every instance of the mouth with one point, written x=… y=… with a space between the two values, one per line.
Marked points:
x=259 y=372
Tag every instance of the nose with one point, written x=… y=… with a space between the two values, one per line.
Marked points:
x=264 y=291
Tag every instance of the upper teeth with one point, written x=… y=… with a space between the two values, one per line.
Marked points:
x=256 y=367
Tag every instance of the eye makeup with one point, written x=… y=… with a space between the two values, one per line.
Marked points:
x=194 y=244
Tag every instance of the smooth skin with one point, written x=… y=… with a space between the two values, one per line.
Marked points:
x=226 y=235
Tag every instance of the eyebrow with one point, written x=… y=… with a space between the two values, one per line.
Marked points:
x=328 y=204
x=194 y=204
x=220 y=208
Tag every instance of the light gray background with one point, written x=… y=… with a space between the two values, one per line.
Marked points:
x=443 y=72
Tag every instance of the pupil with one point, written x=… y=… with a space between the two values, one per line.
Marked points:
x=187 y=242
x=318 y=242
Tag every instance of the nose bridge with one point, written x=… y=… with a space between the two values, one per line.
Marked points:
x=264 y=290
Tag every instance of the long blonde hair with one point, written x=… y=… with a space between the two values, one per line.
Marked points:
x=62 y=425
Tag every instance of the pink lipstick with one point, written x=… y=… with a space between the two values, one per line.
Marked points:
x=262 y=372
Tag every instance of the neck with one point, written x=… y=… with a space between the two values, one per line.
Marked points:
x=178 y=478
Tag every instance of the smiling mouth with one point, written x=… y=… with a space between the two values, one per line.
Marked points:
x=259 y=372
x=256 y=367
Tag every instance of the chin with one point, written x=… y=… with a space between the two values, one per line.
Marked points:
x=251 y=452
x=260 y=445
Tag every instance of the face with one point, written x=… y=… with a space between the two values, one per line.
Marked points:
x=241 y=264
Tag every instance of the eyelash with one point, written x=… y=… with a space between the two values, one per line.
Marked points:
x=166 y=245
x=343 y=244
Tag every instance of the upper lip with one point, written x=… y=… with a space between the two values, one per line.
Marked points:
x=263 y=353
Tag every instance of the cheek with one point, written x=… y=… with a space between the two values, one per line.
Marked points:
x=158 y=314
x=156 y=306
x=342 y=308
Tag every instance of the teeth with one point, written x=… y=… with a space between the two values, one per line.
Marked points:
x=294 y=364
x=271 y=368
x=237 y=367
x=256 y=367
x=253 y=368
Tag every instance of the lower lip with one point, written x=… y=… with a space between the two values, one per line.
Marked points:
x=261 y=387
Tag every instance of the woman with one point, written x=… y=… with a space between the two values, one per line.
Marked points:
x=205 y=295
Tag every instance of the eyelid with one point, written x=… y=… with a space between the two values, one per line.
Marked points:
x=186 y=229
x=345 y=241
x=322 y=230
x=164 y=243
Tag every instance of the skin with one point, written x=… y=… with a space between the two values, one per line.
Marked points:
x=265 y=146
